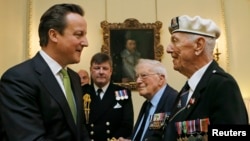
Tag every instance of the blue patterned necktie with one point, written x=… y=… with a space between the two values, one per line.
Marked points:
x=69 y=93
x=146 y=113
x=184 y=95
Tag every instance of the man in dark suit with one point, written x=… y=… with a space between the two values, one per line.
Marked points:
x=34 y=102
x=213 y=96
x=108 y=107
x=151 y=80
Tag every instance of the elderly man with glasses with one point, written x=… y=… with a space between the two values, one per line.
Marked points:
x=151 y=80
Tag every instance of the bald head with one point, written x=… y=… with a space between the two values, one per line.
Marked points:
x=84 y=76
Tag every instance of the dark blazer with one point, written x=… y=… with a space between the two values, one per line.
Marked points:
x=34 y=105
x=165 y=105
x=217 y=97
x=106 y=120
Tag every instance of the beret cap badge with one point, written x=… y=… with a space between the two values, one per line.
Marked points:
x=174 y=24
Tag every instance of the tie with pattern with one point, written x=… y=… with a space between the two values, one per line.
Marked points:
x=146 y=113
x=184 y=95
x=69 y=93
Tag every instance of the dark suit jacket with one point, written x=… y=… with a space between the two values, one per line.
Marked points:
x=105 y=120
x=34 y=105
x=217 y=97
x=165 y=105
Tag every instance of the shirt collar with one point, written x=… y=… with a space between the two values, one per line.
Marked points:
x=156 y=98
x=196 y=77
x=103 y=88
x=53 y=65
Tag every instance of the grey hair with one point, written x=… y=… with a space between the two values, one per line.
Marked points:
x=210 y=43
x=155 y=66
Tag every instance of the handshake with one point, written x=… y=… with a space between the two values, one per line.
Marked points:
x=112 y=139
x=119 y=139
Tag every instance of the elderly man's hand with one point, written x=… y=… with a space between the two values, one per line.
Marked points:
x=123 y=139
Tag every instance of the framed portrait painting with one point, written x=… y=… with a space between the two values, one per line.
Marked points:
x=126 y=43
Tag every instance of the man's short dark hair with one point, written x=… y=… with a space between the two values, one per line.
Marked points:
x=99 y=58
x=54 y=18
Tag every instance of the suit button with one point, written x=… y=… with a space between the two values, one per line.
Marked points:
x=107 y=123
x=91 y=132
x=92 y=125
x=108 y=131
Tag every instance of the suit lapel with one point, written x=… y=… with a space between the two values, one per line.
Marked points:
x=184 y=113
x=95 y=104
x=139 y=118
x=200 y=89
x=106 y=103
x=163 y=101
x=161 y=107
x=50 y=83
x=108 y=99
x=77 y=91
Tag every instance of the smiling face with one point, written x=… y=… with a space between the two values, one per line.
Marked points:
x=148 y=82
x=182 y=50
x=66 y=48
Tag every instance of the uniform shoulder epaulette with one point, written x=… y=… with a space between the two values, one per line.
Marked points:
x=218 y=72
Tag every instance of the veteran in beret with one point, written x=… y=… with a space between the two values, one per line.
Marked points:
x=212 y=96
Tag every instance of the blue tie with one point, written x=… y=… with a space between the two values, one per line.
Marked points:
x=146 y=113
x=184 y=95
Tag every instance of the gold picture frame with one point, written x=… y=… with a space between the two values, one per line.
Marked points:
x=147 y=36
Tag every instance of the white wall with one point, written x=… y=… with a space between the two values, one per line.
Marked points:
x=13 y=33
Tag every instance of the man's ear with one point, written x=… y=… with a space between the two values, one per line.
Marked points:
x=200 y=45
x=53 y=35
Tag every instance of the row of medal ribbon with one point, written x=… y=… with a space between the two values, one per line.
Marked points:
x=192 y=130
x=121 y=95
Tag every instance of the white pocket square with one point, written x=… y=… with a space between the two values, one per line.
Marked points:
x=117 y=106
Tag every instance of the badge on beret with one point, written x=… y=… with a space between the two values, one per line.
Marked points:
x=175 y=23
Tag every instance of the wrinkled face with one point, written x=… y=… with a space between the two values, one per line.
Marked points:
x=69 y=45
x=148 y=82
x=84 y=77
x=182 y=50
x=131 y=45
x=101 y=73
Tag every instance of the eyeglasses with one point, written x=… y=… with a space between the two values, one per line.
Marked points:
x=144 y=75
